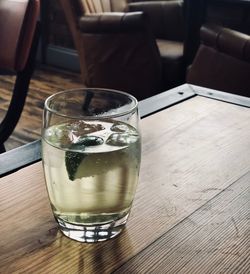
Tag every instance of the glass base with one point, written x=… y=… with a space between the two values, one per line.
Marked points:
x=92 y=234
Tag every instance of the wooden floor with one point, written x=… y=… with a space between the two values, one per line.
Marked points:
x=45 y=82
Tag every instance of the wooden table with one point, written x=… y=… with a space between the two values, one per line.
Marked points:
x=191 y=211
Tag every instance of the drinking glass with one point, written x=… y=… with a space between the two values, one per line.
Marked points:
x=91 y=150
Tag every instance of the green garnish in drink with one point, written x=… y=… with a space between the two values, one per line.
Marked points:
x=74 y=159
x=72 y=162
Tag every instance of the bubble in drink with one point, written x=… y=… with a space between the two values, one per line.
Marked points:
x=91 y=177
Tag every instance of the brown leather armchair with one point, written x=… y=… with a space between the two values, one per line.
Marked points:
x=19 y=34
x=167 y=23
x=222 y=61
x=135 y=47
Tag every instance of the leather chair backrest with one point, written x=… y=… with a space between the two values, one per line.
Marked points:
x=120 y=52
x=222 y=61
x=17 y=27
x=167 y=23
x=100 y=6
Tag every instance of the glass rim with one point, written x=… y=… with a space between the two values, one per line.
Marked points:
x=114 y=91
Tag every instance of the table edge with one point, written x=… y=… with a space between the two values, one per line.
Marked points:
x=30 y=153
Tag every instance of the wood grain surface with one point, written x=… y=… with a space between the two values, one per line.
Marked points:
x=214 y=239
x=189 y=215
x=45 y=82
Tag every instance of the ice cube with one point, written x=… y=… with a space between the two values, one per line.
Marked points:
x=81 y=128
x=58 y=136
x=121 y=139
x=120 y=127
x=87 y=141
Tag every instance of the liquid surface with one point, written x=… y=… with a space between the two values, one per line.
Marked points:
x=91 y=170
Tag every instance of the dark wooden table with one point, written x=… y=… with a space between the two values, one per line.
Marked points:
x=191 y=211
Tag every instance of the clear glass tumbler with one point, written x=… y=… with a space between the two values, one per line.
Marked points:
x=91 y=150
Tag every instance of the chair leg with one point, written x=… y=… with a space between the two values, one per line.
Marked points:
x=45 y=6
x=2 y=148
x=21 y=86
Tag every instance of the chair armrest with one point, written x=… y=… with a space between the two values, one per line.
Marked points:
x=18 y=23
x=113 y=22
x=166 y=17
x=228 y=41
